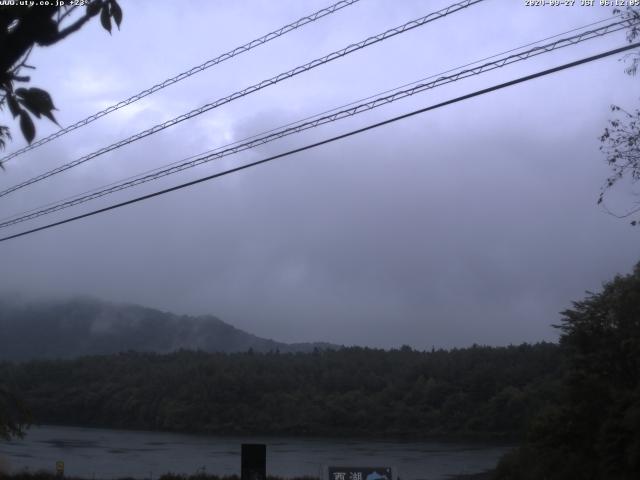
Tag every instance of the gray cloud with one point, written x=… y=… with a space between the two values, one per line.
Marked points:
x=474 y=223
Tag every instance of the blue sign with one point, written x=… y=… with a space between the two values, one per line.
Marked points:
x=360 y=473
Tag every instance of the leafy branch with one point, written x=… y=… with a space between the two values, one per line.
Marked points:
x=21 y=29
x=620 y=141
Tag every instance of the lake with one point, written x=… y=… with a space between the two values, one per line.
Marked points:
x=106 y=454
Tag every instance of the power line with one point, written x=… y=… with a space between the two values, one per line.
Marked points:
x=305 y=125
x=418 y=81
x=192 y=71
x=258 y=86
x=156 y=169
x=366 y=98
x=332 y=139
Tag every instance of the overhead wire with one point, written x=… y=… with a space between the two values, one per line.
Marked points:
x=186 y=74
x=303 y=125
x=419 y=22
x=332 y=139
x=408 y=84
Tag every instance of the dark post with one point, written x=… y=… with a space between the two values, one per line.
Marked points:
x=254 y=461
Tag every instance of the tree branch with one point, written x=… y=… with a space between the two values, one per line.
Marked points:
x=74 y=27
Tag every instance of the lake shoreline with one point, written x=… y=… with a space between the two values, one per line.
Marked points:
x=471 y=438
x=98 y=453
x=488 y=475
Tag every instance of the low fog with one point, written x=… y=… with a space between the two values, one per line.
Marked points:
x=474 y=223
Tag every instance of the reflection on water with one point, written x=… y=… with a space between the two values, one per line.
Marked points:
x=100 y=453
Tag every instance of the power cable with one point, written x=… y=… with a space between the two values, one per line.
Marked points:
x=332 y=139
x=181 y=76
x=258 y=86
x=299 y=127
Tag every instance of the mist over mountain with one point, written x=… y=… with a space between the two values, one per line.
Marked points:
x=87 y=326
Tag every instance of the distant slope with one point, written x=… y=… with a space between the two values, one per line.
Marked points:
x=72 y=328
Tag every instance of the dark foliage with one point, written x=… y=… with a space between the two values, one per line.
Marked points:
x=620 y=139
x=23 y=27
x=593 y=431
x=481 y=391
x=14 y=415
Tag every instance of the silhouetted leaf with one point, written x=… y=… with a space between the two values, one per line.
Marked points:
x=50 y=116
x=42 y=98
x=116 y=13
x=27 y=127
x=14 y=108
x=30 y=107
x=105 y=19
x=93 y=8
x=37 y=101
x=4 y=133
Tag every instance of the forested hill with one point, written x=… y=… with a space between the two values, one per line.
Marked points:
x=481 y=391
x=67 y=329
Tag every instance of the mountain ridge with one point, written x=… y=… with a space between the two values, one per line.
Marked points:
x=80 y=326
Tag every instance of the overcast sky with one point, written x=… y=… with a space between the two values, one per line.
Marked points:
x=475 y=222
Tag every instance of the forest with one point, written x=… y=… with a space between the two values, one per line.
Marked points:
x=591 y=429
x=573 y=407
x=484 y=392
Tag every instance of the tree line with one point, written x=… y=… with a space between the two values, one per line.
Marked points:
x=574 y=406
x=477 y=391
x=591 y=430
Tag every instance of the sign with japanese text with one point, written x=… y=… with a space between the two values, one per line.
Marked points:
x=360 y=473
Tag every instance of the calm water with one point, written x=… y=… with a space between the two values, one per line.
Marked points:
x=101 y=453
